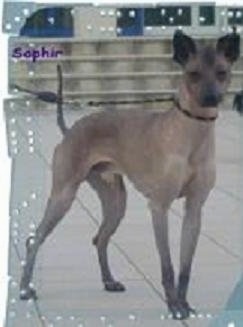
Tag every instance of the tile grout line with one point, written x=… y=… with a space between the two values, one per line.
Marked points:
x=229 y=193
x=213 y=240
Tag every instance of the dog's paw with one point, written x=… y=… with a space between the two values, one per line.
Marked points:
x=178 y=311
x=114 y=286
x=187 y=308
x=27 y=294
x=95 y=240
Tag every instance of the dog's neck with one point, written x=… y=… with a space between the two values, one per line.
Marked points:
x=188 y=105
x=197 y=133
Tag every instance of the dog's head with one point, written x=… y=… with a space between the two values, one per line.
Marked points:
x=207 y=69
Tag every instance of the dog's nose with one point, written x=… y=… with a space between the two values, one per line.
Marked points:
x=210 y=100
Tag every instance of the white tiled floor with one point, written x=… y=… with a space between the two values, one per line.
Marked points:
x=67 y=273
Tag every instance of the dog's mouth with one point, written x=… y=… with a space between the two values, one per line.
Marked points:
x=209 y=104
x=211 y=101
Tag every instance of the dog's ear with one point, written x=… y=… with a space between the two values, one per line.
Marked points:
x=183 y=47
x=229 y=46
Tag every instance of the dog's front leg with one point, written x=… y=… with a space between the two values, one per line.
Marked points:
x=191 y=227
x=160 y=225
x=189 y=239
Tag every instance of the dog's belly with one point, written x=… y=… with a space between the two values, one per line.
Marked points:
x=155 y=180
x=150 y=178
x=153 y=175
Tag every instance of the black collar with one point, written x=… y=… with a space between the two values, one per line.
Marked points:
x=190 y=115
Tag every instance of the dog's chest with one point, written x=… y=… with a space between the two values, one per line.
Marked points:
x=160 y=169
x=155 y=177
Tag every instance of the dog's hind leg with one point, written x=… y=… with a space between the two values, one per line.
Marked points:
x=112 y=194
x=66 y=180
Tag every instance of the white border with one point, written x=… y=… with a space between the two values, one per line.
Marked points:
x=5 y=161
x=4 y=178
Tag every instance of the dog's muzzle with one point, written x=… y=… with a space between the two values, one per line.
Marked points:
x=210 y=100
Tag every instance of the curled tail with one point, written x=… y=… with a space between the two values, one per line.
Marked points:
x=51 y=97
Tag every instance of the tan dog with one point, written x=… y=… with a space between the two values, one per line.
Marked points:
x=165 y=155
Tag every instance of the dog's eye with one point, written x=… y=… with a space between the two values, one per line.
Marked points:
x=194 y=75
x=221 y=74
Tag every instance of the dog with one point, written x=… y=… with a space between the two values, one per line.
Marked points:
x=166 y=155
